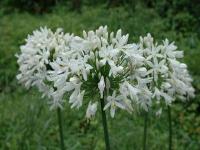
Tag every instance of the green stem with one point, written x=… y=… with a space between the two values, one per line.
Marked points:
x=170 y=128
x=145 y=131
x=62 y=147
x=104 y=121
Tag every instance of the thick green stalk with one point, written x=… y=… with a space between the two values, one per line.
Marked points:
x=170 y=127
x=62 y=147
x=145 y=130
x=104 y=121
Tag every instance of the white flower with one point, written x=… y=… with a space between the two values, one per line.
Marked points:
x=113 y=102
x=156 y=68
x=101 y=86
x=91 y=110
x=76 y=99
x=57 y=99
x=169 y=50
x=114 y=70
x=158 y=94
x=127 y=90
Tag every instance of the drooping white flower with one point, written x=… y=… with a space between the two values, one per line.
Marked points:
x=76 y=99
x=101 y=86
x=91 y=110
x=113 y=103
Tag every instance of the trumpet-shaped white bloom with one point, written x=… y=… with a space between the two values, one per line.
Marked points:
x=91 y=110
x=114 y=102
x=101 y=86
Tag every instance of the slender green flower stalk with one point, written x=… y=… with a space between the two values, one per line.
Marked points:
x=62 y=146
x=170 y=127
x=145 y=130
x=105 y=127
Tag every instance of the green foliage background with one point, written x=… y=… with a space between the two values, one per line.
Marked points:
x=25 y=120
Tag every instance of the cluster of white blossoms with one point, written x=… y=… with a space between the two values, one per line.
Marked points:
x=170 y=78
x=103 y=66
x=36 y=55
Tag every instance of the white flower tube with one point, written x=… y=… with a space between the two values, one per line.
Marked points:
x=101 y=86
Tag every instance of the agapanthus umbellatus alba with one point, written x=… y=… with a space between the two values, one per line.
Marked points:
x=170 y=78
x=102 y=66
x=36 y=55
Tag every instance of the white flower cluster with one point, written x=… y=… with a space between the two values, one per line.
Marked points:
x=170 y=78
x=103 y=66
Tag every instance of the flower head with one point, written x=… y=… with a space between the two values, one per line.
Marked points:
x=36 y=60
x=170 y=78
x=101 y=62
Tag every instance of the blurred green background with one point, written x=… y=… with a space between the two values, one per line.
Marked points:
x=26 y=123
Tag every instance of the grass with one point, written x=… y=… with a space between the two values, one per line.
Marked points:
x=26 y=123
